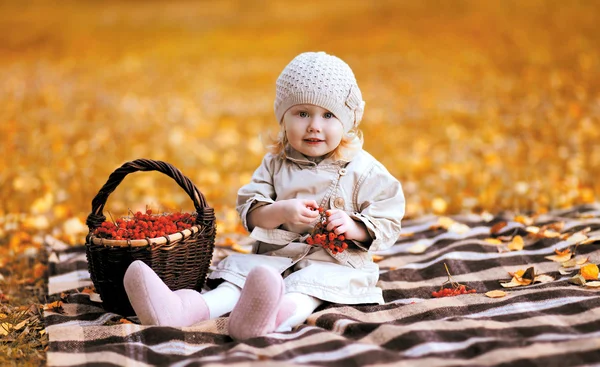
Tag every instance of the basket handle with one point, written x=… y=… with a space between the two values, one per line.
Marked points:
x=96 y=217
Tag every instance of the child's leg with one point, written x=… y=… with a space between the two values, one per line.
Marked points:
x=260 y=309
x=222 y=299
x=305 y=306
x=155 y=304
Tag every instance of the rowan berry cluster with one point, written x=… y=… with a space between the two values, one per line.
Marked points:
x=320 y=236
x=145 y=225
x=452 y=291
x=455 y=288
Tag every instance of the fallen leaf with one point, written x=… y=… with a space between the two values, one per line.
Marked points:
x=20 y=325
x=591 y=239
x=576 y=238
x=569 y=263
x=582 y=260
x=523 y=220
x=543 y=278
x=459 y=228
x=563 y=252
x=496 y=294
x=228 y=242
x=560 y=259
x=407 y=234
x=125 y=321
x=514 y=283
x=95 y=297
x=55 y=306
x=237 y=248
x=577 y=280
x=516 y=244
x=589 y=271
x=497 y=227
x=377 y=258
x=593 y=284
x=87 y=290
x=418 y=248
x=566 y=271
x=493 y=241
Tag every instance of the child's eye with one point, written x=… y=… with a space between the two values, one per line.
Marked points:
x=303 y=114
x=328 y=115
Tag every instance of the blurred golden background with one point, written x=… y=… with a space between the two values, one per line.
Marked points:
x=473 y=105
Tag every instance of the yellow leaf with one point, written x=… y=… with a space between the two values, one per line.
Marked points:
x=496 y=294
x=377 y=258
x=20 y=325
x=418 y=248
x=593 y=284
x=237 y=248
x=125 y=321
x=516 y=244
x=493 y=241
x=569 y=263
x=582 y=260
x=523 y=220
x=589 y=272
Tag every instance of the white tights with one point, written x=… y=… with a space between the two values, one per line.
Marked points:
x=223 y=299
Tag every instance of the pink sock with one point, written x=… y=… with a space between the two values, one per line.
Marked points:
x=155 y=304
x=260 y=309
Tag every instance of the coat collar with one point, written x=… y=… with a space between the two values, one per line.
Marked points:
x=295 y=156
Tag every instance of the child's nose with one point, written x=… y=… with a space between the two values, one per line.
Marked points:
x=315 y=124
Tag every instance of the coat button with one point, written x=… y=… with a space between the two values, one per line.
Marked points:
x=342 y=171
x=339 y=203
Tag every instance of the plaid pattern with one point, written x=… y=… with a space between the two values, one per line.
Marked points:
x=550 y=324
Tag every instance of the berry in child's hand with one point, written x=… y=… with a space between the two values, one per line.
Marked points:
x=142 y=226
x=326 y=239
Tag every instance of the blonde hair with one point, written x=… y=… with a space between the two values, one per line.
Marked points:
x=352 y=141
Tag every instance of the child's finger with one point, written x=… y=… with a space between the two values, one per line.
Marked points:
x=311 y=204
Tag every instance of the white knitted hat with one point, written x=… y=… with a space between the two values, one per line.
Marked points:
x=322 y=80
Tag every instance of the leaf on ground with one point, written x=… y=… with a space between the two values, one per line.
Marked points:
x=576 y=238
x=418 y=248
x=561 y=256
x=493 y=241
x=525 y=220
x=377 y=258
x=543 y=278
x=564 y=271
x=516 y=244
x=569 y=263
x=497 y=227
x=591 y=239
x=593 y=284
x=55 y=306
x=496 y=294
x=577 y=280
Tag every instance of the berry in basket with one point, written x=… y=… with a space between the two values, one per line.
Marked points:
x=145 y=225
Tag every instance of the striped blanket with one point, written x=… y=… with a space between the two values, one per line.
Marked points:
x=553 y=323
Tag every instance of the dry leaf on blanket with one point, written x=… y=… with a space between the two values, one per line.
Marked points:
x=523 y=220
x=593 y=284
x=418 y=248
x=526 y=277
x=493 y=241
x=407 y=234
x=237 y=248
x=589 y=271
x=582 y=260
x=569 y=263
x=497 y=227
x=496 y=294
x=576 y=238
x=377 y=258
x=591 y=239
x=55 y=306
x=561 y=256
x=516 y=244
x=577 y=280
x=564 y=271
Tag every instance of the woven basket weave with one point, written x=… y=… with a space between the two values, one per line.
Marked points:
x=180 y=259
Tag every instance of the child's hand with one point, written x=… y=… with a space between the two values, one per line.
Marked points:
x=338 y=222
x=298 y=211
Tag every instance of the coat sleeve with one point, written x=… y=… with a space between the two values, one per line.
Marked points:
x=381 y=204
x=260 y=191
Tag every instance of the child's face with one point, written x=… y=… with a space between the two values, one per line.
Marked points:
x=312 y=130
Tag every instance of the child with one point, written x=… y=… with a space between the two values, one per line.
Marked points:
x=317 y=162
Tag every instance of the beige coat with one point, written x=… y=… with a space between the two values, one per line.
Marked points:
x=362 y=187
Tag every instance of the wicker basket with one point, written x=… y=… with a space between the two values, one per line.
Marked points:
x=181 y=259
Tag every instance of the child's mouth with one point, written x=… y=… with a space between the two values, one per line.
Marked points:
x=313 y=141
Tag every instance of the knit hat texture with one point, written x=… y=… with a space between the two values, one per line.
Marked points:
x=323 y=80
